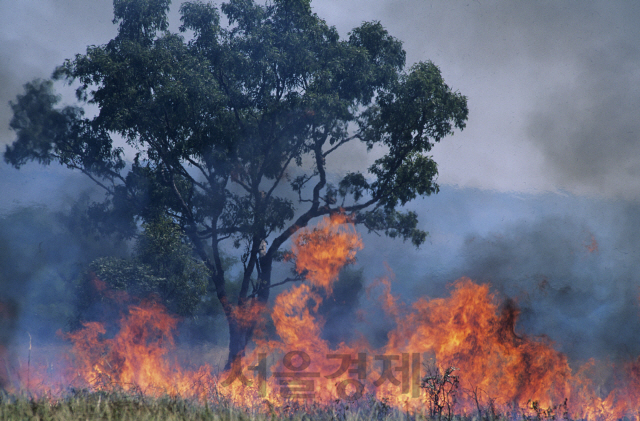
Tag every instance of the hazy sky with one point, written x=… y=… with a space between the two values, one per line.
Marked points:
x=553 y=86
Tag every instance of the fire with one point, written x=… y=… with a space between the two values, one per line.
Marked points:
x=470 y=332
x=139 y=358
x=307 y=360
x=465 y=350
x=323 y=251
x=135 y=359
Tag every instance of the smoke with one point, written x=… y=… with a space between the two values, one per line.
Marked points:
x=37 y=36
x=42 y=253
x=552 y=86
x=553 y=90
x=588 y=130
x=570 y=264
x=563 y=285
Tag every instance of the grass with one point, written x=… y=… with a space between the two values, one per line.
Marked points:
x=84 y=406
x=121 y=406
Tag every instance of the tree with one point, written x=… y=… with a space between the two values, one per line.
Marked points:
x=228 y=124
x=163 y=265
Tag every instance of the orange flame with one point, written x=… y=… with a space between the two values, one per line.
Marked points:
x=323 y=251
x=135 y=359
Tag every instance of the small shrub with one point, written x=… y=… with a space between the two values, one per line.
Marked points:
x=441 y=387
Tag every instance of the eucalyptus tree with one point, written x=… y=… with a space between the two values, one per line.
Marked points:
x=230 y=121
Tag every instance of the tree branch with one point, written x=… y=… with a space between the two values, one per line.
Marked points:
x=342 y=142
x=298 y=278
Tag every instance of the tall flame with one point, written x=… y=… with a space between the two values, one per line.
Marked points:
x=323 y=251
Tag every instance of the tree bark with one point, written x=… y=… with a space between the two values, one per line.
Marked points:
x=241 y=324
x=239 y=336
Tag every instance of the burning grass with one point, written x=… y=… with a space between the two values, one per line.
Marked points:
x=453 y=357
x=497 y=374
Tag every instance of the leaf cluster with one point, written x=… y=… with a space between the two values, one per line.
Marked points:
x=163 y=266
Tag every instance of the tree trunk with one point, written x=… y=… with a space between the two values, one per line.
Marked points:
x=264 y=278
x=241 y=325
x=239 y=336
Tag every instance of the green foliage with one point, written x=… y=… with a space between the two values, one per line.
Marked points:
x=140 y=20
x=83 y=406
x=121 y=406
x=239 y=105
x=114 y=406
x=165 y=248
x=47 y=134
x=395 y=224
x=163 y=266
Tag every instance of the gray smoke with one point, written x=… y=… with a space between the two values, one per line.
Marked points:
x=576 y=296
x=570 y=264
x=44 y=248
x=589 y=130
x=553 y=88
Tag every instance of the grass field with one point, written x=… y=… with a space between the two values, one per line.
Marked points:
x=82 y=406
x=120 y=406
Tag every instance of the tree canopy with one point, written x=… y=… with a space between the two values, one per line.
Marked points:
x=233 y=128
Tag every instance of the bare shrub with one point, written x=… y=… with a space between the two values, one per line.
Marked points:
x=441 y=387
